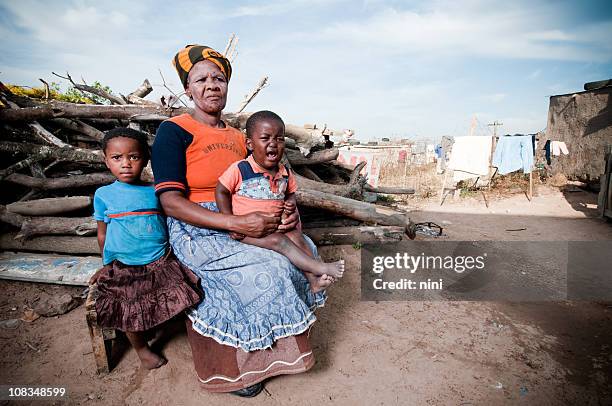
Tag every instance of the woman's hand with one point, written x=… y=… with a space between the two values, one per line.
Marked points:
x=252 y=225
x=236 y=236
x=256 y=224
x=291 y=217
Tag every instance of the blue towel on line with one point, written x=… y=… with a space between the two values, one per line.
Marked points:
x=513 y=153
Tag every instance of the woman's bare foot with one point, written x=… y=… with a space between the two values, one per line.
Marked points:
x=149 y=359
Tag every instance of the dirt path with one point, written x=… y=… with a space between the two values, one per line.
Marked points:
x=470 y=353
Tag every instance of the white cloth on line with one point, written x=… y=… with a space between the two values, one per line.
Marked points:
x=558 y=147
x=470 y=157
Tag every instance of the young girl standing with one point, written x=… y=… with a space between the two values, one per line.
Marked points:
x=141 y=284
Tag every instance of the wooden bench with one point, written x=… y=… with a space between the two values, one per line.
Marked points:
x=101 y=338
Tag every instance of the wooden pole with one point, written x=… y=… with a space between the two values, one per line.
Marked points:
x=491 y=172
x=443 y=186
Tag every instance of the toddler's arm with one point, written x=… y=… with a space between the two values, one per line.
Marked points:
x=223 y=198
x=290 y=218
x=224 y=203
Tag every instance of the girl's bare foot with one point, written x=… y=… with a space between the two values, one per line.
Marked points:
x=149 y=359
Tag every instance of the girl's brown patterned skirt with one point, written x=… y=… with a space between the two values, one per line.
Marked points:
x=137 y=298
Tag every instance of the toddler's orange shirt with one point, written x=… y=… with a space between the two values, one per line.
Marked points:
x=254 y=189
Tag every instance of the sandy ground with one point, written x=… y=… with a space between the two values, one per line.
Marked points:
x=460 y=353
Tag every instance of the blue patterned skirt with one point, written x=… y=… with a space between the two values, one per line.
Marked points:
x=252 y=296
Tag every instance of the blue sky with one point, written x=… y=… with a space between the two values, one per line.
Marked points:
x=382 y=68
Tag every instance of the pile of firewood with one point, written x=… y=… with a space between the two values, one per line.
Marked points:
x=52 y=164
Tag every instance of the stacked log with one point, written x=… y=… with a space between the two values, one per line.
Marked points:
x=52 y=165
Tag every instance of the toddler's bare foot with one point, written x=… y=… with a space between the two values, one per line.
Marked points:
x=321 y=283
x=334 y=269
x=149 y=359
x=318 y=283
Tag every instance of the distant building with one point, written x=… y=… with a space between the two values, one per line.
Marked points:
x=375 y=157
x=583 y=120
x=430 y=153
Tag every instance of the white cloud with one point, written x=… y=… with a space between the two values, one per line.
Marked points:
x=551 y=35
x=99 y=42
x=74 y=23
x=270 y=8
x=506 y=33
x=418 y=68
x=265 y=9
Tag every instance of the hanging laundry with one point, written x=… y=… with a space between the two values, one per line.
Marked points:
x=470 y=157
x=559 y=147
x=439 y=151
x=554 y=148
x=513 y=153
x=440 y=161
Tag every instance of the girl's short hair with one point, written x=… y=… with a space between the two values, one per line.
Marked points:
x=142 y=138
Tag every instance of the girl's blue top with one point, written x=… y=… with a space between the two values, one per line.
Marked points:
x=136 y=231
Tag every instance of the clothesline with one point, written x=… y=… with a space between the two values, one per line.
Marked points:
x=514 y=135
x=477 y=156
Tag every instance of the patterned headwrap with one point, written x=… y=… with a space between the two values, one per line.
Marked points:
x=190 y=55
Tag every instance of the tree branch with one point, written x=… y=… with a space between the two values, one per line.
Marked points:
x=389 y=190
x=66 y=153
x=352 y=190
x=80 y=226
x=39 y=130
x=24 y=163
x=317 y=157
x=231 y=49
x=92 y=179
x=352 y=208
x=90 y=89
x=81 y=127
x=356 y=172
x=47 y=91
x=177 y=97
x=50 y=206
x=142 y=90
x=263 y=82
x=47 y=136
x=55 y=109
x=13 y=219
x=61 y=244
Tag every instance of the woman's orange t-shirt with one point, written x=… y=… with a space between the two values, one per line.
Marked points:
x=206 y=156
